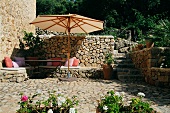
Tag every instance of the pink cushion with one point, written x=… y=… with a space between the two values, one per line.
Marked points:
x=56 y=63
x=49 y=63
x=18 y=59
x=8 y=62
x=15 y=64
x=71 y=60
x=76 y=62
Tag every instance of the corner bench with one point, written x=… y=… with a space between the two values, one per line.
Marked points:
x=79 y=72
x=15 y=74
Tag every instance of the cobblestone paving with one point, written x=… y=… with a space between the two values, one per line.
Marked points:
x=87 y=90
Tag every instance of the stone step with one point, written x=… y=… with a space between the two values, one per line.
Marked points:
x=127 y=71
x=121 y=55
x=125 y=65
x=122 y=61
x=131 y=78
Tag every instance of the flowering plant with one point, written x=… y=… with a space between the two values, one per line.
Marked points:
x=113 y=103
x=55 y=103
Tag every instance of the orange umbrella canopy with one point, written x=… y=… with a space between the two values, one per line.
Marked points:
x=71 y=23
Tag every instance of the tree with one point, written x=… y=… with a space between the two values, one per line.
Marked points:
x=57 y=6
x=45 y=7
x=134 y=15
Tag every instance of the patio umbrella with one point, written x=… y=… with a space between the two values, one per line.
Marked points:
x=70 y=23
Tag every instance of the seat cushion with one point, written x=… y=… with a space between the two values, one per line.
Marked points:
x=20 y=59
x=49 y=63
x=56 y=63
x=15 y=64
x=8 y=62
x=76 y=62
x=71 y=60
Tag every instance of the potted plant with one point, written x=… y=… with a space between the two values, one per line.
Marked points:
x=54 y=103
x=32 y=46
x=107 y=67
x=149 y=40
x=113 y=102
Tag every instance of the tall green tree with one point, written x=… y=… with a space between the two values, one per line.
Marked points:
x=45 y=6
x=136 y=15
x=57 y=6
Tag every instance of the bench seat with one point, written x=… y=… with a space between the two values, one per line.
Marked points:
x=79 y=72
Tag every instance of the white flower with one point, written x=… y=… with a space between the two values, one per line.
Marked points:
x=72 y=110
x=122 y=93
x=50 y=104
x=60 y=100
x=50 y=111
x=102 y=98
x=123 y=99
x=141 y=94
x=105 y=108
x=117 y=94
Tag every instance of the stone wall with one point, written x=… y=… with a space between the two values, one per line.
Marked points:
x=148 y=61
x=15 y=16
x=89 y=49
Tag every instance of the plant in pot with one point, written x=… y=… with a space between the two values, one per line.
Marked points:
x=149 y=40
x=107 y=67
x=32 y=46
x=114 y=102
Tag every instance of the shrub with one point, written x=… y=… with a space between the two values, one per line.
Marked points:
x=113 y=103
x=55 y=103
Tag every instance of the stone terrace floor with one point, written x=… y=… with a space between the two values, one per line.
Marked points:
x=87 y=90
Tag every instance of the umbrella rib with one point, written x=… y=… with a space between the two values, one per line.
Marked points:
x=58 y=23
x=84 y=23
x=62 y=21
x=91 y=25
x=42 y=21
x=87 y=18
x=74 y=26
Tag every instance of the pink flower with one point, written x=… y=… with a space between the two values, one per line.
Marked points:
x=24 y=98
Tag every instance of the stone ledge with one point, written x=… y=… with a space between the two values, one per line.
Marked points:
x=82 y=72
x=147 y=61
x=14 y=74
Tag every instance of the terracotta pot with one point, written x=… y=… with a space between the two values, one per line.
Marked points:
x=140 y=46
x=107 y=71
x=149 y=42
x=98 y=111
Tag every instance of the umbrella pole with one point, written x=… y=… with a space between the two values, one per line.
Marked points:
x=68 y=55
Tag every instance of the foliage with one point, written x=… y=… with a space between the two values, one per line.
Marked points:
x=164 y=61
x=109 y=58
x=57 y=6
x=110 y=103
x=161 y=33
x=113 y=103
x=32 y=44
x=55 y=102
x=138 y=16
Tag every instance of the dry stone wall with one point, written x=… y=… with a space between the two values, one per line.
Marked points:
x=89 y=49
x=148 y=61
x=15 y=16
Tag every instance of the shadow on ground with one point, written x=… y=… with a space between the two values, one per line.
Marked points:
x=158 y=95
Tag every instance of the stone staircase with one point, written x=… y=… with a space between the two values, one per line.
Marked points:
x=125 y=68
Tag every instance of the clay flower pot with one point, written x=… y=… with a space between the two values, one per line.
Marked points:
x=107 y=71
x=149 y=42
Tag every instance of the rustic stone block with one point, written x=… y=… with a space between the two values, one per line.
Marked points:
x=163 y=78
